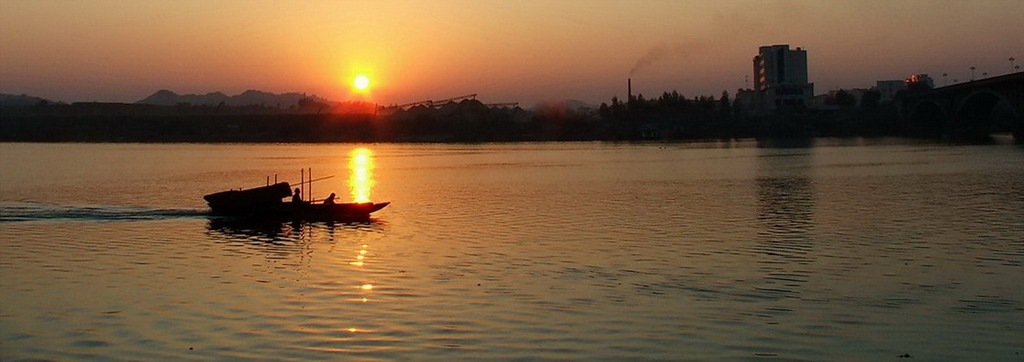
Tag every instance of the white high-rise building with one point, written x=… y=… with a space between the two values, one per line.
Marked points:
x=780 y=77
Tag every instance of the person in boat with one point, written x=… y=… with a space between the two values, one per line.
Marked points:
x=329 y=200
x=297 y=196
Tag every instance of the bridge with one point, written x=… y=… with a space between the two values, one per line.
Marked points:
x=976 y=108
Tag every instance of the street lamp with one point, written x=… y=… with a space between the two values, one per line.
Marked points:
x=1011 y=65
x=944 y=80
x=972 y=73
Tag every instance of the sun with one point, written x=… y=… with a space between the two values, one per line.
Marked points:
x=361 y=82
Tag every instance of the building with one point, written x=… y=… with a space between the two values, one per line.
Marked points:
x=889 y=88
x=780 y=78
x=746 y=100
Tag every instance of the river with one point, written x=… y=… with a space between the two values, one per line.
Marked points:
x=820 y=250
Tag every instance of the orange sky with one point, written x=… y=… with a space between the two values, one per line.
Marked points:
x=506 y=51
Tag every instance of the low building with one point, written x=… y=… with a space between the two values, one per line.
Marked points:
x=746 y=100
x=889 y=88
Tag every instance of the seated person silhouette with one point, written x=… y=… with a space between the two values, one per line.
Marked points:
x=329 y=200
x=297 y=197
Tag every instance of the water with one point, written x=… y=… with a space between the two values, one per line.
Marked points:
x=848 y=250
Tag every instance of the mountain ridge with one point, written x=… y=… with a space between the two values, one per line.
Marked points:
x=251 y=97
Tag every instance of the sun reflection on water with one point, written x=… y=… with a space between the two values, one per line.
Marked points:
x=365 y=288
x=360 y=179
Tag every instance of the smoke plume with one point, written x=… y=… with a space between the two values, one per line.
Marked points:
x=669 y=51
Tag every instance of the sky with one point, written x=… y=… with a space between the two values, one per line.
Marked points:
x=504 y=51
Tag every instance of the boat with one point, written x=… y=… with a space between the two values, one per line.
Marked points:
x=266 y=202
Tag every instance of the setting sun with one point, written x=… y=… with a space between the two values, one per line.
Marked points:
x=361 y=82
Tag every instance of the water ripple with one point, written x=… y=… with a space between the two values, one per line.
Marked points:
x=32 y=211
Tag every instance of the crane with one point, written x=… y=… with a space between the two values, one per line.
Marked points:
x=432 y=103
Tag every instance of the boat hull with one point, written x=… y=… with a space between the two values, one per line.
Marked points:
x=333 y=212
x=307 y=212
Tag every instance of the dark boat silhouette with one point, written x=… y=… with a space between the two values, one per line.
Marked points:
x=266 y=203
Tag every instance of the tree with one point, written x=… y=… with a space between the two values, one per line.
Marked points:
x=919 y=86
x=724 y=105
x=869 y=102
x=844 y=99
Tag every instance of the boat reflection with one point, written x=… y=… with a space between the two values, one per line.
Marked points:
x=278 y=232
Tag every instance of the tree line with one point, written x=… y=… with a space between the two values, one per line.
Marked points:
x=670 y=116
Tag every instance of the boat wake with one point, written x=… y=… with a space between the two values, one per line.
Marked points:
x=31 y=211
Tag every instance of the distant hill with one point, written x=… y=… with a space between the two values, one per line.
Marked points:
x=23 y=100
x=165 y=97
x=579 y=106
x=563 y=108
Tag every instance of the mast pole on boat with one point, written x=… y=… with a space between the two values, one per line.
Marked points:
x=310 y=184
x=302 y=183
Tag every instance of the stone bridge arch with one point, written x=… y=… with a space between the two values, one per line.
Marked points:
x=985 y=111
x=928 y=116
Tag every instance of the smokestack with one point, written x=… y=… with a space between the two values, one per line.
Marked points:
x=629 y=89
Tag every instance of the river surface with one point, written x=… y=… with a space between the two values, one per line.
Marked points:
x=827 y=250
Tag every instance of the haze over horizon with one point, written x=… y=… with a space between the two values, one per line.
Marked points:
x=505 y=52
